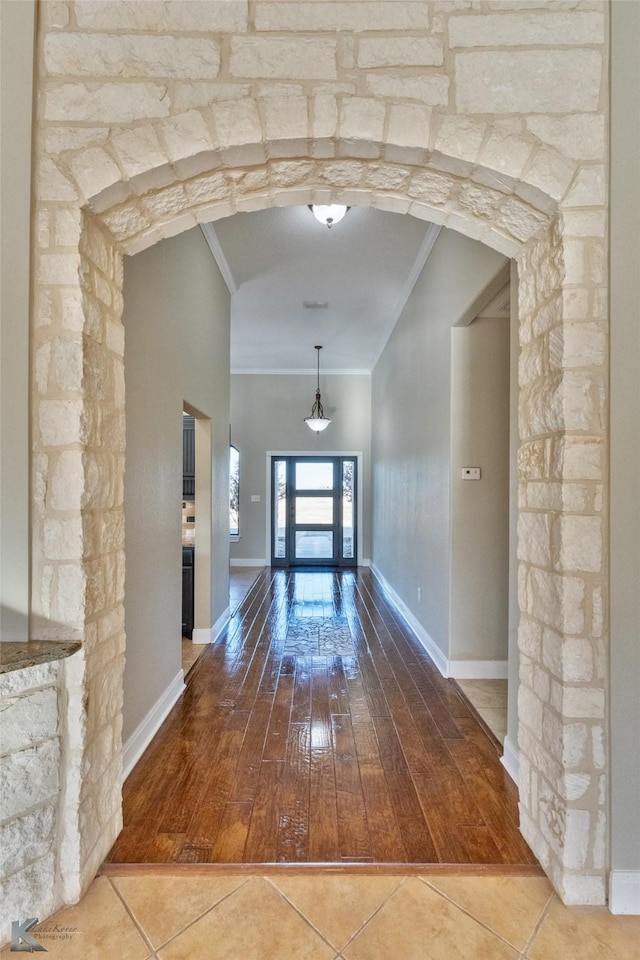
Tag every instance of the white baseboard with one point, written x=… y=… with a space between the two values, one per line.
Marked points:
x=211 y=634
x=624 y=892
x=510 y=760
x=220 y=624
x=478 y=669
x=201 y=635
x=414 y=625
x=137 y=743
x=365 y=563
x=458 y=669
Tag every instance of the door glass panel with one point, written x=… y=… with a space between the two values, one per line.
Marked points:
x=348 y=470
x=314 y=476
x=234 y=490
x=314 y=544
x=314 y=510
x=280 y=509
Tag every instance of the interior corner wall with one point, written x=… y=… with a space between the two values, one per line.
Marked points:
x=176 y=318
x=17 y=34
x=480 y=417
x=625 y=450
x=267 y=413
x=411 y=441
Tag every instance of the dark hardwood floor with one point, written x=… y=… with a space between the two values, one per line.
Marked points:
x=318 y=730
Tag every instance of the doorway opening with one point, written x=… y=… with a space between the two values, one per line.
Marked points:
x=196 y=534
x=188 y=523
x=314 y=511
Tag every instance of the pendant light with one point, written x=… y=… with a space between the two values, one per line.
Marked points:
x=317 y=421
x=328 y=214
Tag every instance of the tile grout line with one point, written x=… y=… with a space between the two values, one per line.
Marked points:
x=485 y=925
x=179 y=933
x=541 y=919
x=137 y=925
x=376 y=912
x=324 y=936
x=302 y=916
x=205 y=914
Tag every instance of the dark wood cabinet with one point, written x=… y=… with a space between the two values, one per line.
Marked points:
x=188 y=458
x=187 y=592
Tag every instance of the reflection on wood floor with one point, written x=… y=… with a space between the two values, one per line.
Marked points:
x=318 y=730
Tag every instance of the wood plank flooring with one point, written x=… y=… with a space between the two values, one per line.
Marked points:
x=317 y=730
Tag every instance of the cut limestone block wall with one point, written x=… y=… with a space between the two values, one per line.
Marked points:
x=30 y=781
x=487 y=117
x=60 y=776
x=44 y=770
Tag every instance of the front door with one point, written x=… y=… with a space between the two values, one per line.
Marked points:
x=313 y=511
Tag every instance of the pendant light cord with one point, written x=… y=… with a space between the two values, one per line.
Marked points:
x=317 y=407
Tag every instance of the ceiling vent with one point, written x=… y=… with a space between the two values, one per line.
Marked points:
x=315 y=304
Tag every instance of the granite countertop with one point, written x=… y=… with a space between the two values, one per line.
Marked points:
x=16 y=655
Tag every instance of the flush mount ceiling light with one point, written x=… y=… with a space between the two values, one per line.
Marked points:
x=333 y=213
x=317 y=421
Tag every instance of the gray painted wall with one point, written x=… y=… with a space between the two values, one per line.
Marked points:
x=177 y=350
x=16 y=86
x=480 y=508
x=412 y=437
x=267 y=413
x=625 y=436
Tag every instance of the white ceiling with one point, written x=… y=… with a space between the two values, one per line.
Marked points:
x=274 y=260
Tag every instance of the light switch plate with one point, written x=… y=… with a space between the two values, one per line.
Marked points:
x=471 y=473
x=255 y=498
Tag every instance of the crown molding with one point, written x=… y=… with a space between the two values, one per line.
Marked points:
x=210 y=235
x=302 y=372
x=427 y=245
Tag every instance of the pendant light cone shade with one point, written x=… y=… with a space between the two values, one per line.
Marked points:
x=317 y=421
x=329 y=214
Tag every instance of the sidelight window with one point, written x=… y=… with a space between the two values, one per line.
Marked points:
x=234 y=491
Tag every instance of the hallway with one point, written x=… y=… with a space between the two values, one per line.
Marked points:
x=317 y=730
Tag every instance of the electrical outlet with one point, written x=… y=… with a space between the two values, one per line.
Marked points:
x=255 y=498
x=419 y=594
x=470 y=473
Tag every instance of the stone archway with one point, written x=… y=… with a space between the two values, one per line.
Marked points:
x=550 y=411
x=124 y=189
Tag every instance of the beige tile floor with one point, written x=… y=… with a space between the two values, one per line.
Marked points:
x=236 y=916
x=489 y=697
x=190 y=653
